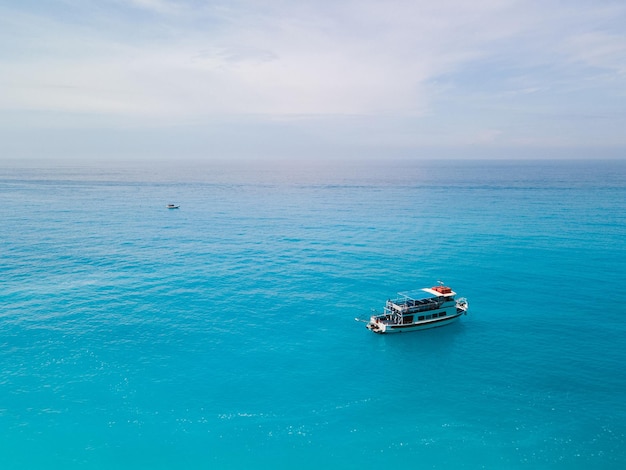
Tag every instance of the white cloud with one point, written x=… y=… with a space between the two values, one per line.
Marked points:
x=447 y=71
x=158 y=6
x=599 y=50
x=358 y=58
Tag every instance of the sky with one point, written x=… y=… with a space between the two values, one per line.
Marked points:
x=321 y=79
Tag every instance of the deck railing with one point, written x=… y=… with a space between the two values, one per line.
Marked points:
x=412 y=306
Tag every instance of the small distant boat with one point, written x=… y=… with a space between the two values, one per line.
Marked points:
x=172 y=206
x=418 y=310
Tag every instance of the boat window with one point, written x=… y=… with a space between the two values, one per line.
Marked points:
x=420 y=318
x=407 y=319
x=442 y=314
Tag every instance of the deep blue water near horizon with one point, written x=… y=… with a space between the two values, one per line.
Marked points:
x=222 y=334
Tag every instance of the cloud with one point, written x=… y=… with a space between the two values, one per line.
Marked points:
x=396 y=73
x=163 y=7
x=598 y=50
x=346 y=58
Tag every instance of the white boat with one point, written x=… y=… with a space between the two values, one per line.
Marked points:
x=172 y=206
x=419 y=310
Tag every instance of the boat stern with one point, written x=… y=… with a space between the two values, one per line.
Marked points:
x=375 y=325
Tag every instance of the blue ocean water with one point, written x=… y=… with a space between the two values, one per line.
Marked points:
x=222 y=334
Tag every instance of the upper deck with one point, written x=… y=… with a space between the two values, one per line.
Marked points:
x=420 y=300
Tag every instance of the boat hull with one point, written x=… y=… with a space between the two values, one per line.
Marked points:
x=388 y=328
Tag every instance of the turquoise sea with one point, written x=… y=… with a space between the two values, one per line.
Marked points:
x=222 y=334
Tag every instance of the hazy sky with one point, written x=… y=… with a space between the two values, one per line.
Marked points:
x=313 y=78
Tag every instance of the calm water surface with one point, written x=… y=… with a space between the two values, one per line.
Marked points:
x=222 y=334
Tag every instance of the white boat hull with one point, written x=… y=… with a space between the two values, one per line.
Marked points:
x=385 y=328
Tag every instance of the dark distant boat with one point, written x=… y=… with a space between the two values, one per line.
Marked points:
x=172 y=206
x=419 y=310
